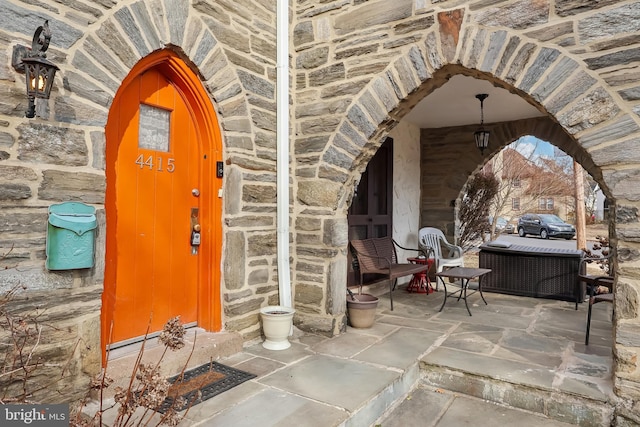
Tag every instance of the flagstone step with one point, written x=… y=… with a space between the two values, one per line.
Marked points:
x=584 y=407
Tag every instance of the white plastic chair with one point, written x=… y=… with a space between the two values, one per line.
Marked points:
x=445 y=254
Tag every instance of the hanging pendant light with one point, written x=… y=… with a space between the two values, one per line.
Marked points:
x=481 y=135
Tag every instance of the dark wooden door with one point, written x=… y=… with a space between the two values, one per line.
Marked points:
x=370 y=212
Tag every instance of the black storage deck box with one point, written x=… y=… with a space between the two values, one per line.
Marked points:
x=532 y=271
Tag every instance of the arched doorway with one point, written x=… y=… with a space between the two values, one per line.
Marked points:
x=162 y=144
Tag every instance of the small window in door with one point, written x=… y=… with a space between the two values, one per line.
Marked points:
x=153 y=132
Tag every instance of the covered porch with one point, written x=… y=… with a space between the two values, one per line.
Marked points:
x=416 y=363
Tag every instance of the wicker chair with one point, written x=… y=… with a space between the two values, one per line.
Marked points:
x=445 y=254
x=377 y=256
x=595 y=285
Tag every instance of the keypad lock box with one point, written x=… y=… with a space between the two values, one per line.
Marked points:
x=195 y=238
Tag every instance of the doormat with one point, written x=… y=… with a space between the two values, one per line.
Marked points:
x=210 y=379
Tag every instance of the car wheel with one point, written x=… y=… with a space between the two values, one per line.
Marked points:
x=544 y=234
x=521 y=232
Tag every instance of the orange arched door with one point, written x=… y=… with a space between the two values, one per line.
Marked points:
x=162 y=145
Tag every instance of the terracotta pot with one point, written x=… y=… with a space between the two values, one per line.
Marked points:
x=362 y=310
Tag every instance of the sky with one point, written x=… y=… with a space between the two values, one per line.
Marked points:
x=534 y=149
x=528 y=145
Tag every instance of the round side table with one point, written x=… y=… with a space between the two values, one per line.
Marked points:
x=420 y=282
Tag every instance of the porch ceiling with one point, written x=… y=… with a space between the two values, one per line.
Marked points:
x=455 y=104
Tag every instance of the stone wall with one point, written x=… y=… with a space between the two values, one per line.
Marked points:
x=60 y=155
x=358 y=68
x=63 y=351
x=361 y=66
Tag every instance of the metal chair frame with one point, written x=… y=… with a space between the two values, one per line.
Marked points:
x=593 y=282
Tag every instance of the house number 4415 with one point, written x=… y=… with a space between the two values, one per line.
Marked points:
x=158 y=164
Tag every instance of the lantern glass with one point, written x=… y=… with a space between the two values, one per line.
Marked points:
x=39 y=75
x=482 y=139
x=39 y=71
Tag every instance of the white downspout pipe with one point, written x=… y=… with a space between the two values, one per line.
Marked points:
x=282 y=147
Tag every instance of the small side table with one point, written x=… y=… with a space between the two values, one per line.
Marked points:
x=464 y=274
x=420 y=282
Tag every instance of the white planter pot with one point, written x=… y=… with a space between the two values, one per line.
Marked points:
x=277 y=324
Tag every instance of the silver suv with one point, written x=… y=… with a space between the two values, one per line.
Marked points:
x=545 y=226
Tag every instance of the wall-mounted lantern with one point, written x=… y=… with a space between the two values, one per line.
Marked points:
x=38 y=70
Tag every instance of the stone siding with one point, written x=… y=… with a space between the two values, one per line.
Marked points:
x=358 y=67
x=60 y=155
x=548 y=52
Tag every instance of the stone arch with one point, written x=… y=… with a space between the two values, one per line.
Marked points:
x=541 y=127
x=586 y=115
x=587 y=119
x=456 y=140
x=136 y=31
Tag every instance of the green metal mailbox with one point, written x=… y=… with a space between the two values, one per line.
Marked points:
x=71 y=236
